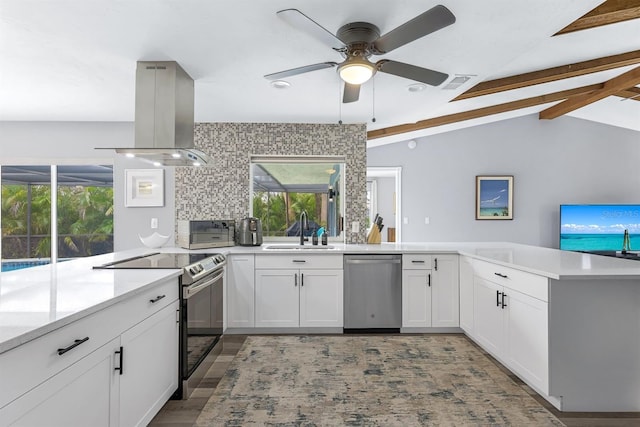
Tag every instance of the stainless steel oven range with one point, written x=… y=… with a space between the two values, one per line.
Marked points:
x=201 y=309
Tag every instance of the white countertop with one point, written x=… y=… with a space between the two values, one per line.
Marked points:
x=37 y=300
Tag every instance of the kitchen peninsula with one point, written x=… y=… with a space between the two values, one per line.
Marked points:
x=565 y=322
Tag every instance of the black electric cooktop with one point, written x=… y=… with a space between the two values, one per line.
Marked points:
x=157 y=260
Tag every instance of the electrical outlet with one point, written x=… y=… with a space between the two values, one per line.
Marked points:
x=154 y=222
x=355 y=227
x=405 y=220
x=426 y=220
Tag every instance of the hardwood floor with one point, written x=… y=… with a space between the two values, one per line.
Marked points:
x=183 y=413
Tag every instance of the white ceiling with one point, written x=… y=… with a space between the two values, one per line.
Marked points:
x=74 y=60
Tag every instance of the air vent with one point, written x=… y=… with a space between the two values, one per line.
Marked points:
x=457 y=81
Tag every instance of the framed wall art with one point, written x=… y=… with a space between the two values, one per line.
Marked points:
x=144 y=187
x=494 y=197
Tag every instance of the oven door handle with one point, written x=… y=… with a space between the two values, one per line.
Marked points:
x=191 y=290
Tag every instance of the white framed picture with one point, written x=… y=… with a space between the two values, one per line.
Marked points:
x=144 y=187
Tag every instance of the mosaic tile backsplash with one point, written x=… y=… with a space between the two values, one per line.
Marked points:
x=226 y=182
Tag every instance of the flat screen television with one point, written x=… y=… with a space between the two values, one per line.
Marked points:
x=599 y=228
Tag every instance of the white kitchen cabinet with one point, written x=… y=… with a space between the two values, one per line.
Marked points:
x=299 y=297
x=466 y=294
x=430 y=291
x=416 y=298
x=88 y=383
x=277 y=298
x=149 y=370
x=510 y=324
x=240 y=291
x=84 y=394
x=445 y=291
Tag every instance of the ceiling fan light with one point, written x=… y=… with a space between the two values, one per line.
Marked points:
x=356 y=70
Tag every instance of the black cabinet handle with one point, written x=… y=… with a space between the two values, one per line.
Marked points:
x=504 y=276
x=76 y=343
x=497 y=298
x=301 y=279
x=156 y=299
x=436 y=264
x=503 y=304
x=429 y=279
x=295 y=280
x=121 y=353
x=299 y=260
x=417 y=261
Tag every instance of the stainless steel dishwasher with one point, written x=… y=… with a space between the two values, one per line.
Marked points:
x=372 y=293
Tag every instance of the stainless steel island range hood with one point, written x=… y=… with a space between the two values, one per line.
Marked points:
x=164 y=116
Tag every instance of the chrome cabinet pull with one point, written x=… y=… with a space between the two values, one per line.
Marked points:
x=76 y=343
x=156 y=299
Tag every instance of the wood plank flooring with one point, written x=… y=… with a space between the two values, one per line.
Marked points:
x=183 y=413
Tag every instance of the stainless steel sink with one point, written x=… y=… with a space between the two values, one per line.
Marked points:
x=290 y=247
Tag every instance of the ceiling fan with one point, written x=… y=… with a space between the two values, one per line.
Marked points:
x=358 y=41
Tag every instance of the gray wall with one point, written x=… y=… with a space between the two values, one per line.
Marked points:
x=75 y=143
x=553 y=162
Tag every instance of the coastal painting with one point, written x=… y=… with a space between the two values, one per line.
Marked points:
x=494 y=197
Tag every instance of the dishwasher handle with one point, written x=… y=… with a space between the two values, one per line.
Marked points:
x=373 y=261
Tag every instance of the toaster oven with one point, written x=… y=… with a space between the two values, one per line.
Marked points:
x=203 y=234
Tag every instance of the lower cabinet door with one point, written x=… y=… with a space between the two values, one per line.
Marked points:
x=277 y=297
x=488 y=316
x=445 y=294
x=149 y=373
x=84 y=394
x=321 y=298
x=527 y=343
x=416 y=298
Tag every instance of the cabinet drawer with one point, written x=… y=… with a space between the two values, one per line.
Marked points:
x=41 y=355
x=416 y=262
x=527 y=283
x=299 y=261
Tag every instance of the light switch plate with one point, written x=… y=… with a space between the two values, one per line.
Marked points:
x=355 y=227
x=154 y=222
x=405 y=220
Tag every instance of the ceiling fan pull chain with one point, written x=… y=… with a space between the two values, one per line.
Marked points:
x=373 y=100
x=339 y=102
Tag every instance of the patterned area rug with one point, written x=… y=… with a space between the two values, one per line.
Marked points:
x=370 y=380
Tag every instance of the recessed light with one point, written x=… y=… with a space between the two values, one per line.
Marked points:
x=280 y=84
x=176 y=155
x=416 y=87
x=196 y=164
x=130 y=155
x=157 y=164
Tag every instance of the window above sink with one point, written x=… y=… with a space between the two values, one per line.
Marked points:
x=283 y=186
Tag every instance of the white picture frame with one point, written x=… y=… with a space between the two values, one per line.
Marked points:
x=144 y=187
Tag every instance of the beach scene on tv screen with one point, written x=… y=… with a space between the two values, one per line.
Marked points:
x=598 y=227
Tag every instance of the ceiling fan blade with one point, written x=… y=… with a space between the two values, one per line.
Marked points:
x=351 y=93
x=311 y=27
x=408 y=71
x=299 y=70
x=432 y=20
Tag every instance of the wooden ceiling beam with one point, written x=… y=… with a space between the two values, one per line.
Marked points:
x=482 y=112
x=630 y=93
x=610 y=87
x=551 y=74
x=609 y=12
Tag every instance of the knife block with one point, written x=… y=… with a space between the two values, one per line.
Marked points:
x=374 y=235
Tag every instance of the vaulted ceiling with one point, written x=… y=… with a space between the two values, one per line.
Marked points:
x=74 y=60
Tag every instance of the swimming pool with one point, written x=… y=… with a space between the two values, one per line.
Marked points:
x=20 y=264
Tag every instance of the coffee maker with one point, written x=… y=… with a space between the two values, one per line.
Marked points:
x=249 y=232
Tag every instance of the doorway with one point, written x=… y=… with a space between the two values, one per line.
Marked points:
x=384 y=199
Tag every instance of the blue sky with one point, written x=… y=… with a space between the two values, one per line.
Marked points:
x=494 y=193
x=599 y=219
